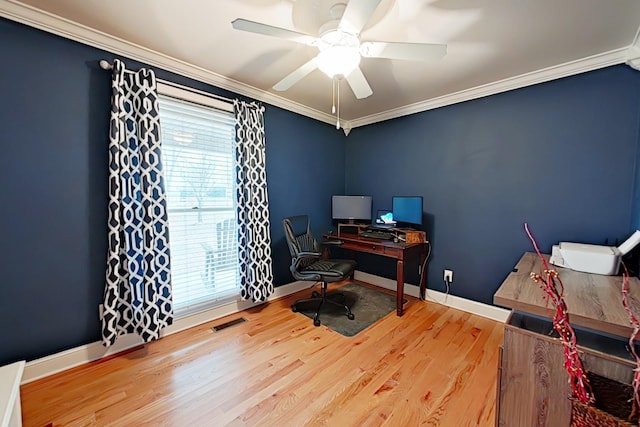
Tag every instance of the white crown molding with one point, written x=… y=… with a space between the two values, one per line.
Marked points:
x=16 y=11
x=633 y=54
x=37 y=18
x=595 y=62
x=633 y=57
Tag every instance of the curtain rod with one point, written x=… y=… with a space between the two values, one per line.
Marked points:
x=106 y=65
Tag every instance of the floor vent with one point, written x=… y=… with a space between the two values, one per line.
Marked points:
x=229 y=323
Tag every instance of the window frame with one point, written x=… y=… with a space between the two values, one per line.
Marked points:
x=181 y=93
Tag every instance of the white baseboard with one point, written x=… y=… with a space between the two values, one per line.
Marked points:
x=77 y=356
x=485 y=310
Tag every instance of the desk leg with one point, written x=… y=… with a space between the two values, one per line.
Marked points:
x=423 y=276
x=400 y=288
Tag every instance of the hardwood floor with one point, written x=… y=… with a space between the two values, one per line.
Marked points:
x=434 y=366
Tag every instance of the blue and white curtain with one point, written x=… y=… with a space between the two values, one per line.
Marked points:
x=256 y=272
x=137 y=295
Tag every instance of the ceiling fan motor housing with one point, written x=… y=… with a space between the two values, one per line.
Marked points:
x=339 y=50
x=339 y=43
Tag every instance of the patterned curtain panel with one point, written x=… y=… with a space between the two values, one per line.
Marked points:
x=256 y=273
x=137 y=295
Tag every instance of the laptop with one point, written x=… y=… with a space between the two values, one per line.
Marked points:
x=384 y=220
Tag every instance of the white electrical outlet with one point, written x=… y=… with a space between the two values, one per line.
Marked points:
x=448 y=276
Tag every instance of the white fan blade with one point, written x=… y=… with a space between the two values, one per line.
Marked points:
x=409 y=51
x=359 y=84
x=357 y=14
x=268 y=30
x=296 y=76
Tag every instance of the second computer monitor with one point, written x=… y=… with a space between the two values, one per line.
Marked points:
x=407 y=209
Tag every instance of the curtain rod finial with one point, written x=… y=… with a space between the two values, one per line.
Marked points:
x=104 y=64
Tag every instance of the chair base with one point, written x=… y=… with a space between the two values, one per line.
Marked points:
x=322 y=299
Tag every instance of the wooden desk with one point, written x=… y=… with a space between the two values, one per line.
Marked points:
x=594 y=301
x=398 y=251
x=532 y=359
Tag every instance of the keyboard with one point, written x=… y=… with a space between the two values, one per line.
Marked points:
x=381 y=226
x=376 y=234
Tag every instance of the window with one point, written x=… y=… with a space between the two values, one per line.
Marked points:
x=198 y=158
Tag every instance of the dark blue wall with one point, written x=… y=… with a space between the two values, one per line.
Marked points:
x=559 y=155
x=54 y=115
x=305 y=166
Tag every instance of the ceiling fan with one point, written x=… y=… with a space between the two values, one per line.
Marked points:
x=340 y=46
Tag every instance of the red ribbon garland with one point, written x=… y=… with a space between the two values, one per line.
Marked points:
x=551 y=283
x=635 y=324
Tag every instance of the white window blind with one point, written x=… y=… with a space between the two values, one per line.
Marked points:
x=199 y=168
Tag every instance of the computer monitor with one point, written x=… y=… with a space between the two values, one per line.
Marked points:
x=407 y=210
x=351 y=208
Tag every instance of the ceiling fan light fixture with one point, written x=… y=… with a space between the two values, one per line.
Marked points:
x=338 y=60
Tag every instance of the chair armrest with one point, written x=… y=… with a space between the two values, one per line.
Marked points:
x=303 y=256
x=309 y=254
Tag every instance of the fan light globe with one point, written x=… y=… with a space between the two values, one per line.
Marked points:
x=338 y=60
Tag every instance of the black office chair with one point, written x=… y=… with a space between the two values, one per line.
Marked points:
x=307 y=264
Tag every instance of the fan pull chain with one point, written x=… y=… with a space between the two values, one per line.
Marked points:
x=338 y=112
x=333 y=96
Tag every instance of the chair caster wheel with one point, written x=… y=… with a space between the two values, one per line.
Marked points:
x=294 y=308
x=350 y=316
x=316 y=322
x=314 y=294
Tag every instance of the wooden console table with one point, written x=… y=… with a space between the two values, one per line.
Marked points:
x=399 y=251
x=533 y=386
x=593 y=300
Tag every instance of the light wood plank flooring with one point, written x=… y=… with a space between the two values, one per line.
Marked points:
x=434 y=366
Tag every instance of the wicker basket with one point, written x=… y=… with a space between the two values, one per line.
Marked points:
x=613 y=407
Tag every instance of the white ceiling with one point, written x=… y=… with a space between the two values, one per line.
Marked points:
x=493 y=45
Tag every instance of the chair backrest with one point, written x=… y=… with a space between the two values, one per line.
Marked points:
x=297 y=230
x=226 y=236
x=227 y=242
